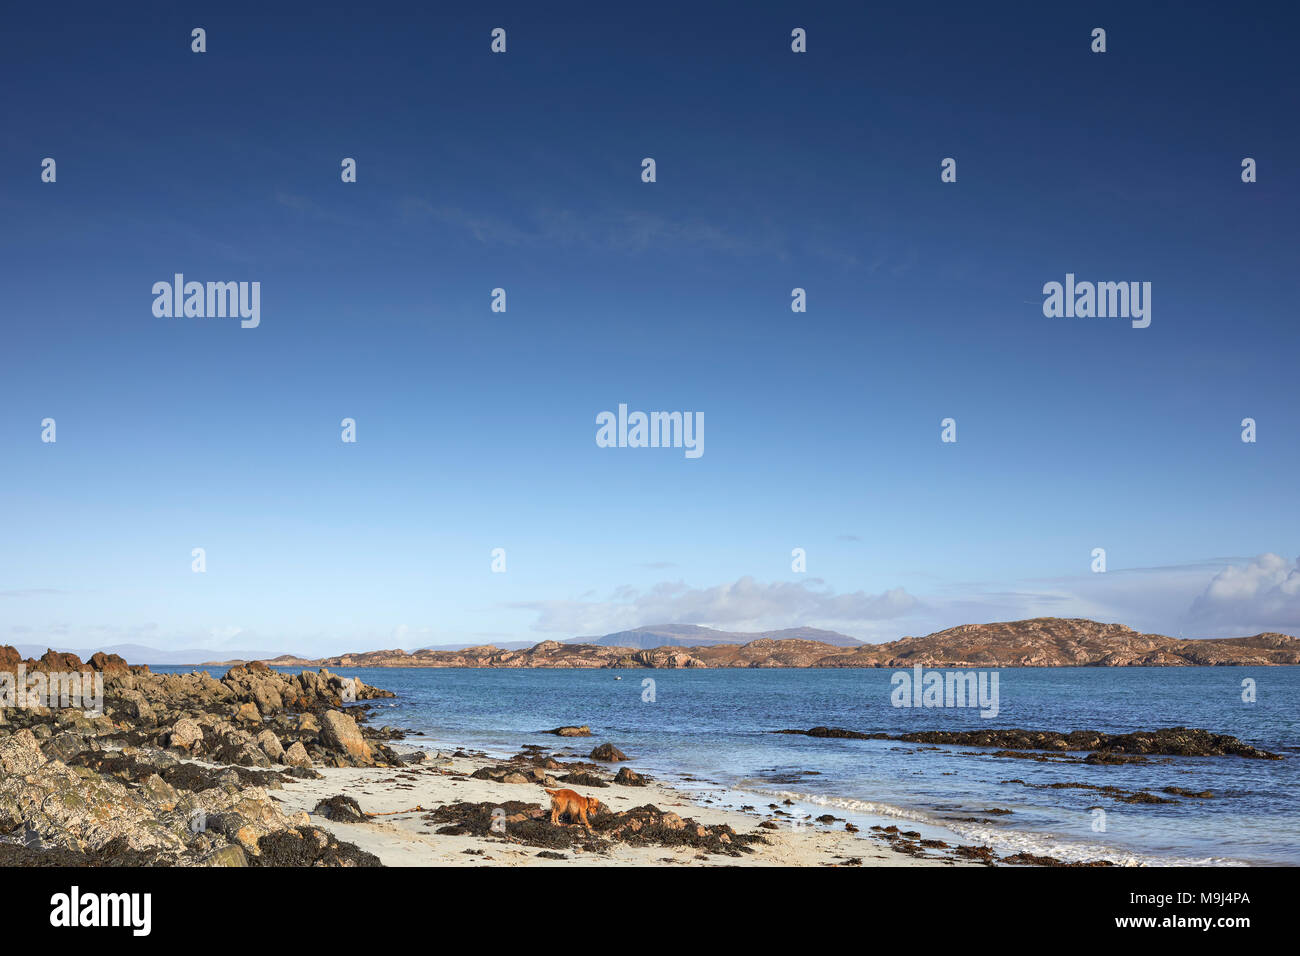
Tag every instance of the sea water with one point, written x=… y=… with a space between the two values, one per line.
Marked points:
x=710 y=731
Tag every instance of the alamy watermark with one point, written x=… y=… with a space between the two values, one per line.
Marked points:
x=653 y=430
x=1102 y=300
x=921 y=688
x=82 y=690
x=211 y=300
x=75 y=908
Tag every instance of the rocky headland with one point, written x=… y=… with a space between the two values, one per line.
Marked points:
x=177 y=769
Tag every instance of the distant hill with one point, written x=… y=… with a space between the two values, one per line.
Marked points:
x=694 y=635
x=463 y=645
x=142 y=654
x=1040 y=642
x=675 y=635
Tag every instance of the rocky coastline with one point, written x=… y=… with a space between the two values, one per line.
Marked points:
x=260 y=768
x=248 y=769
x=177 y=769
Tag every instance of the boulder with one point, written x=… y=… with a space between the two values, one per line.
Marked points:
x=20 y=754
x=308 y=724
x=159 y=792
x=296 y=755
x=64 y=746
x=186 y=734
x=340 y=732
x=629 y=778
x=608 y=753
x=53 y=661
x=134 y=704
x=340 y=809
x=271 y=745
x=246 y=755
x=108 y=663
x=583 y=731
x=232 y=854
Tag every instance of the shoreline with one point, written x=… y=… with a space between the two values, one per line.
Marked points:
x=402 y=835
x=262 y=768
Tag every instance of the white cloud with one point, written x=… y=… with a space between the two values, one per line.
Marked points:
x=745 y=604
x=1221 y=597
x=1261 y=595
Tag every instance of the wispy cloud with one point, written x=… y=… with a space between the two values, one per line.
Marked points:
x=610 y=230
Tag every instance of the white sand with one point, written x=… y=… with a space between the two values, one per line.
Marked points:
x=405 y=839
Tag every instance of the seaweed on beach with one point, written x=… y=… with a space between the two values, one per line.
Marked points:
x=309 y=846
x=648 y=825
x=116 y=852
x=512 y=821
x=1033 y=859
x=341 y=809
x=529 y=824
x=582 y=778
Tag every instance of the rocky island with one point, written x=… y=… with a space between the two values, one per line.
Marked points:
x=1039 y=642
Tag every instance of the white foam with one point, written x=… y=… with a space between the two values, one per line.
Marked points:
x=1005 y=841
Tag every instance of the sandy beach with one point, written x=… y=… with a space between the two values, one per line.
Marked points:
x=400 y=835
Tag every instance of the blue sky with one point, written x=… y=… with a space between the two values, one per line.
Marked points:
x=775 y=170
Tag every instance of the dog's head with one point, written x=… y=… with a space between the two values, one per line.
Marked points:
x=594 y=805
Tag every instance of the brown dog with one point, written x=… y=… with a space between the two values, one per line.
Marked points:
x=576 y=806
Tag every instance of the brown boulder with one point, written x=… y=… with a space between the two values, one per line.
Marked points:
x=186 y=733
x=296 y=755
x=608 y=753
x=108 y=663
x=20 y=754
x=341 y=732
x=308 y=724
x=628 y=777
x=271 y=745
x=53 y=660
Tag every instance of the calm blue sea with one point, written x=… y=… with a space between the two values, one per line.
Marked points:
x=708 y=730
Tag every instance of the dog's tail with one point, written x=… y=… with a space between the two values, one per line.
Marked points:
x=551 y=792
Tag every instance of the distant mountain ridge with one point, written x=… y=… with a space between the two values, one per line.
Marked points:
x=142 y=654
x=673 y=635
x=1039 y=642
x=695 y=635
